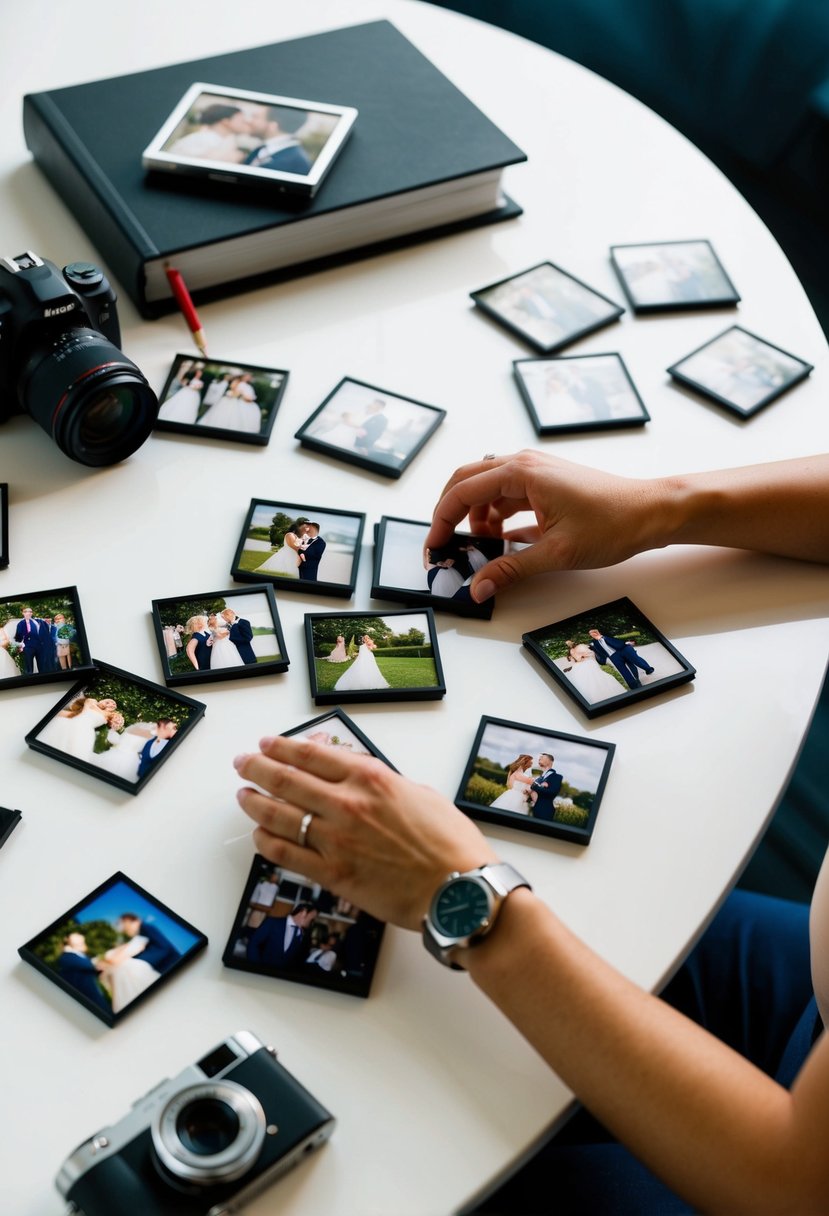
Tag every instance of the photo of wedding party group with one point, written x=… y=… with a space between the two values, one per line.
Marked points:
x=294 y=545
x=405 y=569
x=282 y=142
x=579 y=393
x=336 y=729
x=666 y=276
x=294 y=929
x=610 y=653
x=219 y=635
x=220 y=400
x=117 y=727
x=113 y=948
x=546 y=306
x=534 y=779
x=360 y=656
x=370 y=427
x=740 y=371
x=42 y=637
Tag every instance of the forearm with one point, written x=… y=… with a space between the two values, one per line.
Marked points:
x=715 y=1128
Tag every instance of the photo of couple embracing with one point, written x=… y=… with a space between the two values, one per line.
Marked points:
x=295 y=545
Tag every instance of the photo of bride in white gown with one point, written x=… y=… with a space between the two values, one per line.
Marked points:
x=363 y=672
x=286 y=561
x=183 y=405
x=123 y=975
x=584 y=673
x=519 y=779
x=72 y=730
x=8 y=668
x=223 y=653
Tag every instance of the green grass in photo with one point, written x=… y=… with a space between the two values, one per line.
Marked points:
x=400 y=673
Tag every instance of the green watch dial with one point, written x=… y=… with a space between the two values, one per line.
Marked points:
x=461 y=908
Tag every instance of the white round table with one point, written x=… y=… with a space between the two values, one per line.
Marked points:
x=435 y=1093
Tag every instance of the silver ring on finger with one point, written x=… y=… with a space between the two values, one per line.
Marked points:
x=302 y=834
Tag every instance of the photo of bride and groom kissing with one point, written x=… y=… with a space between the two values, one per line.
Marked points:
x=226 y=634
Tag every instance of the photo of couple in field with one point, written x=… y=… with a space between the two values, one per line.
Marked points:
x=367 y=658
x=298 y=546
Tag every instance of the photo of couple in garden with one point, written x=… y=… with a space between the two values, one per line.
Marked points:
x=41 y=636
x=374 y=654
x=301 y=544
x=202 y=396
x=542 y=780
x=114 y=946
x=220 y=633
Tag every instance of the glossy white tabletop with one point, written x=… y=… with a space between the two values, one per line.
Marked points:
x=434 y=1091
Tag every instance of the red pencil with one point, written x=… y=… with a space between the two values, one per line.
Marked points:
x=188 y=308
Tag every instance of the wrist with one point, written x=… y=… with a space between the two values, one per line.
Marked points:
x=682 y=510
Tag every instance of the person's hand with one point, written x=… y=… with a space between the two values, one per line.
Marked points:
x=584 y=518
x=376 y=838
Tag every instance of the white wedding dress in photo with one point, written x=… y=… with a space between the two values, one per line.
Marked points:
x=363 y=673
x=285 y=562
x=233 y=413
x=339 y=654
x=223 y=652
x=592 y=682
x=129 y=978
x=514 y=797
x=183 y=406
x=8 y=667
x=341 y=434
x=75 y=736
x=121 y=758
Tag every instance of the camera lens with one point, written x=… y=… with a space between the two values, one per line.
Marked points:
x=207 y=1126
x=88 y=396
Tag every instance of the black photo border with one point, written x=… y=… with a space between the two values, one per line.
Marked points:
x=343 y=590
x=224 y=673
x=261 y=439
x=28 y=955
x=314 y=444
x=402 y=595
x=609 y=424
x=105 y=669
x=69 y=673
x=525 y=823
x=9 y=819
x=4 y=524
x=597 y=709
x=375 y=695
x=616 y=311
x=726 y=301
x=688 y=382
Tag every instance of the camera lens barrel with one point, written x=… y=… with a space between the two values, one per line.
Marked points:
x=208 y=1133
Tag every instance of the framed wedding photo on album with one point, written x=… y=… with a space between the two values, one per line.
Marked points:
x=4 y=525
x=215 y=400
x=672 y=276
x=299 y=548
x=219 y=635
x=370 y=427
x=547 y=307
x=608 y=657
x=535 y=780
x=579 y=393
x=114 y=948
x=42 y=638
x=117 y=727
x=740 y=371
x=291 y=928
x=405 y=570
x=364 y=656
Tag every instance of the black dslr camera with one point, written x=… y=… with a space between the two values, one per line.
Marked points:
x=60 y=362
x=203 y=1144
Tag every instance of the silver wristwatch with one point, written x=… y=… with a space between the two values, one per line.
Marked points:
x=465 y=908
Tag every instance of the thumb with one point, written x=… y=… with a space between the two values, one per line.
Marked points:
x=503 y=572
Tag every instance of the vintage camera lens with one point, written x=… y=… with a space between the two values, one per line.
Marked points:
x=88 y=396
x=209 y=1133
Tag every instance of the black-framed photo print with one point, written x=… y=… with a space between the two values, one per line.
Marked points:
x=335 y=729
x=114 y=948
x=9 y=820
x=117 y=727
x=740 y=371
x=284 y=144
x=299 y=548
x=42 y=637
x=370 y=427
x=4 y=525
x=405 y=570
x=608 y=656
x=220 y=400
x=364 y=656
x=219 y=635
x=547 y=307
x=579 y=393
x=534 y=779
x=291 y=928
x=672 y=276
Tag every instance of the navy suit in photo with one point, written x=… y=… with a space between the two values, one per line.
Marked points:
x=309 y=569
x=267 y=945
x=146 y=760
x=159 y=951
x=547 y=787
x=624 y=658
x=241 y=635
x=373 y=427
x=37 y=644
x=203 y=649
x=78 y=971
x=291 y=159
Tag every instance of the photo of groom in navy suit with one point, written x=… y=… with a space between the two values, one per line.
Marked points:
x=76 y=967
x=151 y=751
x=621 y=654
x=241 y=635
x=546 y=787
x=159 y=951
x=35 y=637
x=283 y=942
x=311 y=554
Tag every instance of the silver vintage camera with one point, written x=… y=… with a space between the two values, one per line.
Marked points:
x=202 y=1144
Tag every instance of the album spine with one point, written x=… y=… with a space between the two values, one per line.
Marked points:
x=88 y=193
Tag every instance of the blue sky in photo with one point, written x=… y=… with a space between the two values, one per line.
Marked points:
x=122 y=897
x=580 y=764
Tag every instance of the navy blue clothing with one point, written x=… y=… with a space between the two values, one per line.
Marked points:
x=241 y=635
x=267 y=945
x=287 y=160
x=202 y=650
x=146 y=760
x=309 y=568
x=623 y=656
x=159 y=951
x=373 y=427
x=547 y=787
x=78 y=971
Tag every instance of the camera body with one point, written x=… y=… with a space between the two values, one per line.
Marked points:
x=202 y=1144
x=60 y=360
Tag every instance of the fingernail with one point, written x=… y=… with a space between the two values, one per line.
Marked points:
x=265 y=743
x=238 y=761
x=484 y=590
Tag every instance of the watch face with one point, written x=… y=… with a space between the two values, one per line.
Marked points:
x=461 y=908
